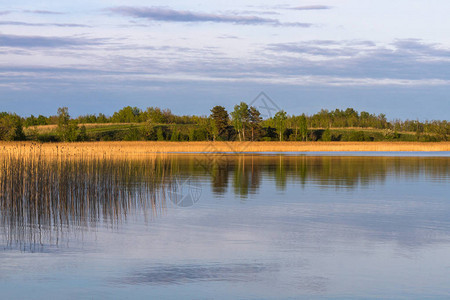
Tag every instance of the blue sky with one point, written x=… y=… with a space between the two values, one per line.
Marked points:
x=382 y=56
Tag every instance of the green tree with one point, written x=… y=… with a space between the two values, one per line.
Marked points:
x=220 y=121
x=11 y=128
x=160 y=134
x=127 y=114
x=102 y=118
x=67 y=129
x=241 y=117
x=30 y=121
x=82 y=135
x=175 y=135
x=191 y=134
x=133 y=134
x=41 y=120
x=158 y=116
x=382 y=122
x=351 y=117
x=326 y=136
x=254 y=121
x=364 y=119
x=149 y=131
x=63 y=116
x=280 y=123
x=302 y=127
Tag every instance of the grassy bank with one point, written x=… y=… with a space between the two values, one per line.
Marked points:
x=193 y=132
x=143 y=148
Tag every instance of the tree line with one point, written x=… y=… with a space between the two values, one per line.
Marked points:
x=244 y=123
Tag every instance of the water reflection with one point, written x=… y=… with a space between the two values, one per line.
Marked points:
x=43 y=200
x=179 y=274
x=246 y=172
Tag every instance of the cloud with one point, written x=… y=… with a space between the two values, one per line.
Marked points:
x=306 y=63
x=17 y=41
x=411 y=48
x=302 y=7
x=171 y=15
x=420 y=49
x=402 y=61
x=324 y=48
x=313 y=49
x=254 y=12
x=43 y=12
x=14 y=23
x=228 y=36
x=4 y=12
x=311 y=7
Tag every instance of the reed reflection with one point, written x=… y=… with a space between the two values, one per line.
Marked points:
x=43 y=200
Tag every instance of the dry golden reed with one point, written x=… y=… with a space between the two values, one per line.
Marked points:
x=111 y=149
x=43 y=198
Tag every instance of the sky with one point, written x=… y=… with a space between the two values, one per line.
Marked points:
x=390 y=57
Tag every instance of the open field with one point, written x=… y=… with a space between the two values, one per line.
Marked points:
x=89 y=126
x=112 y=126
x=143 y=148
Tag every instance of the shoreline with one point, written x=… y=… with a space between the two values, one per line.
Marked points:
x=154 y=147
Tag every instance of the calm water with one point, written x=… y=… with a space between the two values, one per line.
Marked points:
x=225 y=227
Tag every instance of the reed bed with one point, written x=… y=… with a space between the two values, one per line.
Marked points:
x=114 y=149
x=44 y=198
x=49 y=194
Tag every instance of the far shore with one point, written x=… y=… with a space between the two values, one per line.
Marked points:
x=151 y=147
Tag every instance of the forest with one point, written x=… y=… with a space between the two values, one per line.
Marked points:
x=244 y=123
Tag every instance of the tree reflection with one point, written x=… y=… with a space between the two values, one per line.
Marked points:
x=43 y=199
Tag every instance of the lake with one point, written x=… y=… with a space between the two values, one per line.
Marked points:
x=204 y=226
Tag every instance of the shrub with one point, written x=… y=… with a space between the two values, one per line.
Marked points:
x=11 y=128
x=326 y=135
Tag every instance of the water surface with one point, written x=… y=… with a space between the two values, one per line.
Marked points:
x=225 y=226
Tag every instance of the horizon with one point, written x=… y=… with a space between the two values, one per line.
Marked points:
x=379 y=57
x=261 y=109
